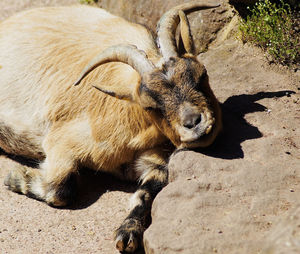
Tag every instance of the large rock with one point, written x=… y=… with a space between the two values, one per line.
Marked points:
x=226 y=199
x=9 y=7
x=204 y=24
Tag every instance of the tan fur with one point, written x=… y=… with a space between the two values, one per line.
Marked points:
x=43 y=116
x=49 y=91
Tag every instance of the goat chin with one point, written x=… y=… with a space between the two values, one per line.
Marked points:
x=146 y=97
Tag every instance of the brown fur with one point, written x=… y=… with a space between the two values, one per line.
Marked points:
x=43 y=116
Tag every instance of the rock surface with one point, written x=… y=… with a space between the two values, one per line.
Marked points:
x=228 y=199
x=204 y=24
x=239 y=196
x=8 y=8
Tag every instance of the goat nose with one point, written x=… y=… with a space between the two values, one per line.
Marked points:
x=191 y=121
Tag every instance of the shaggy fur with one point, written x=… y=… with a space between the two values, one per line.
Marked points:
x=43 y=116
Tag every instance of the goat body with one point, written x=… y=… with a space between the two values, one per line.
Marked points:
x=164 y=95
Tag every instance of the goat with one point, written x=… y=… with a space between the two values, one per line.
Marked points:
x=133 y=95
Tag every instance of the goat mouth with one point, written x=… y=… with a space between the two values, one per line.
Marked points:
x=196 y=134
x=203 y=140
x=198 y=140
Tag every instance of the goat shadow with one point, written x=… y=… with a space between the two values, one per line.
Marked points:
x=235 y=127
x=92 y=185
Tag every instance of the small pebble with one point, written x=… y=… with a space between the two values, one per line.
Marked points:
x=192 y=177
x=91 y=233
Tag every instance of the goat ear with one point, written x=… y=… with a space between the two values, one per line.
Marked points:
x=117 y=92
x=185 y=38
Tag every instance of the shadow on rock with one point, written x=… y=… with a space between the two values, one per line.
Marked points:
x=236 y=128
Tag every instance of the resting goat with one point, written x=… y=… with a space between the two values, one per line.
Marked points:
x=132 y=98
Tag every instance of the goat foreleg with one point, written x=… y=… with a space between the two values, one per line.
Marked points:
x=129 y=236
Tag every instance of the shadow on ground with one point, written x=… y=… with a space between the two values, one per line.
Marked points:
x=236 y=128
x=92 y=184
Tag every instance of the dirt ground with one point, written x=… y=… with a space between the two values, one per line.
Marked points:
x=30 y=226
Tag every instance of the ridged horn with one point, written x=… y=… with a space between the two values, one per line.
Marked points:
x=124 y=53
x=168 y=23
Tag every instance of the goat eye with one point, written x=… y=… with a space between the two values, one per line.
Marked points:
x=158 y=111
x=149 y=108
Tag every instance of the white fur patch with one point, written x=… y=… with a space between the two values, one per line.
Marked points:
x=37 y=188
x=136 y=199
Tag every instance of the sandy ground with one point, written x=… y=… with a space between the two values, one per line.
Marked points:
x=30 y=226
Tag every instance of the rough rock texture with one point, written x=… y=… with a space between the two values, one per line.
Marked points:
x=7 y=8
x=227 y=198
x=240 y=196
x=204 y=24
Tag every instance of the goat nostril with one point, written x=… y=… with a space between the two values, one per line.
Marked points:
x=193 y=122
x=198 y=120
x=188 y=126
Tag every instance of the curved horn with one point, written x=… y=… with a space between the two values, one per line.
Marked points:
x=128 y=54
x=168 y=23
x=185 y=33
